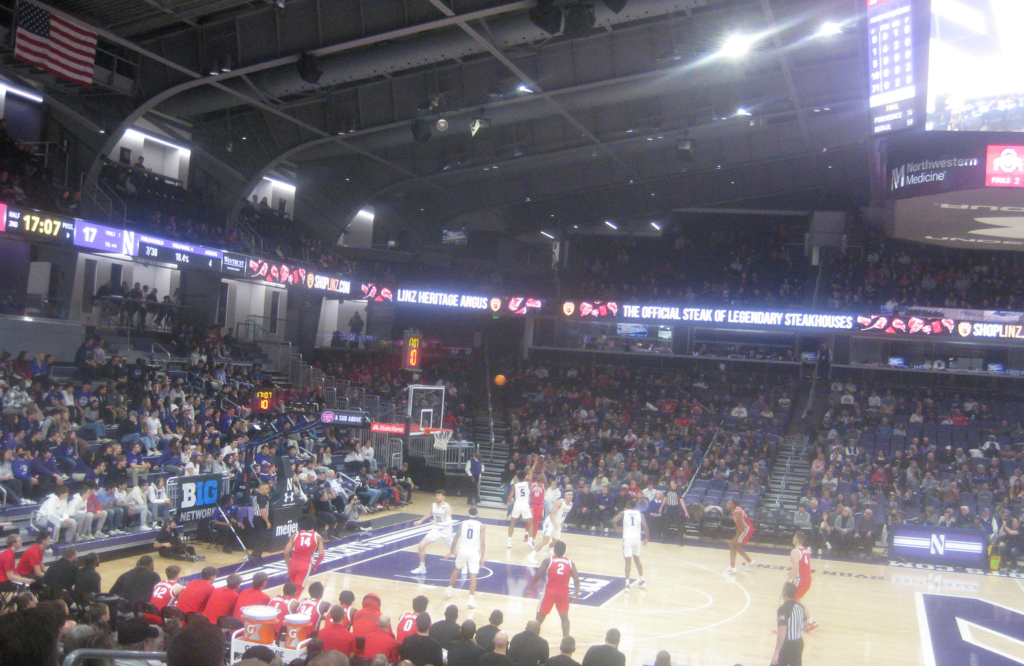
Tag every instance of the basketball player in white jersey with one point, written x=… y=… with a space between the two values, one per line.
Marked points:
x=440 y=515
x=468 y=550
x=519 y=498
x=552 y=530
x=634 y=532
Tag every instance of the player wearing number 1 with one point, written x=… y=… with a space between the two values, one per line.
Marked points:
x=468 y=549
x=634 y=533
x=559 y=568
x=304 y=550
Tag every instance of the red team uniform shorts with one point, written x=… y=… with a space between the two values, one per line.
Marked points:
x=745 y=535
x=558 y=599
x=298 y=570
x=803 y=584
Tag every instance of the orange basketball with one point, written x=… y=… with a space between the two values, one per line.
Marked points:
x=499 y=380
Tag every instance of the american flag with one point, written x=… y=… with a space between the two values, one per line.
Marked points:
x=56 y=42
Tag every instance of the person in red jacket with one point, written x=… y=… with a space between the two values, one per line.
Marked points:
x=381 y=641
x=365 y=619
x=193 y=598
x=223 y=600
x=253 y=596
x=334 y=634
x=30 y=564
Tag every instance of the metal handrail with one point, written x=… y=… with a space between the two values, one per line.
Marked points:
x=157 y=345
x=86 y=653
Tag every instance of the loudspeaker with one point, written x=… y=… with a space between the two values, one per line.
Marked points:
x=309 y=68
x=421 y=129
x=684 y=150
x=616 y=5
x=579 y=20
x=546 y=16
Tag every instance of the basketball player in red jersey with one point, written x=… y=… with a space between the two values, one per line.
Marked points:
x=314 y=606
x=300 y=550
x=407 y=623
x=559 y=569
x=744 y=530
x=800 y=573
x=537 y=489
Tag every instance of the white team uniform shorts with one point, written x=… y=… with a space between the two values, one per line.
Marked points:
x=631 y=547
x=435 y=535
x=521 y=512
x=470 y=559
x=552 y=530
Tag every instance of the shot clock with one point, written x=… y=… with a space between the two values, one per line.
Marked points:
x=264 y=400
x=412 y=349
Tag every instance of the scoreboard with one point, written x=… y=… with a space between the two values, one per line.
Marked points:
x=891 y=65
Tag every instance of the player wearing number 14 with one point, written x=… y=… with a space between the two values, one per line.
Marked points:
x=304 y=550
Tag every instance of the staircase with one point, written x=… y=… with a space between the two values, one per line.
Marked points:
x=789 y=475
x=495 y=458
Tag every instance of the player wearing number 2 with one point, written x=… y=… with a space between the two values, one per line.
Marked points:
x=468 y=549
x=304 y=550
x=559 y=568
x=634 y=532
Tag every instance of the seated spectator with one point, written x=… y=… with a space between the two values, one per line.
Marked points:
x=137 y=584
x=464 y=651
x=62 y=573
x=196 y=644
x=528 y=648
x=137 y=635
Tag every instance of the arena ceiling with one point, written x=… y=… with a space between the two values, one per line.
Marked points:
x=580 y=129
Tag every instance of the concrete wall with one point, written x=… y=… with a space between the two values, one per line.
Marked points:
x=160 y=158
x=60 y=338
x=252 y=301
x=165 y=280
x=275 y=192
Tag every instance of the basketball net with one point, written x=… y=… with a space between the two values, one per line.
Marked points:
x=441 y=437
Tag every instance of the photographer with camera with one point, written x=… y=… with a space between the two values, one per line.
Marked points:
x=171 y=546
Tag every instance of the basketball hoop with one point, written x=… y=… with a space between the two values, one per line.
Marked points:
x=441 y=437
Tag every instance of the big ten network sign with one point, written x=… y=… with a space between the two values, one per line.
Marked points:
x=197 y=497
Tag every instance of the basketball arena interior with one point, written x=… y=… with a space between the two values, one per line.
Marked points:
x=511 y=332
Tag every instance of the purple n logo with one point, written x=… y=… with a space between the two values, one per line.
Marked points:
x=959 y=630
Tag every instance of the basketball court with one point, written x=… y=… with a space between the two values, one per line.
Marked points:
x=869 y=613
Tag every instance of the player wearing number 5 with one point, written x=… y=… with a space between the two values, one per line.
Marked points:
x=304 y=550
x=634 y=532
x=468 y=548
x=556 y=594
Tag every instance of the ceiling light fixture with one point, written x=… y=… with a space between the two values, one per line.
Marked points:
x=737 y=46
x=829 y=29
x=21 y=93
x=609 y=223
x=743 y=112
x=544 y=233
x=656 y=225
x=523 y=88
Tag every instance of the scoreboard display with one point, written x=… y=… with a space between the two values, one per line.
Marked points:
x=39 y=226
x=412 y=350
x=893 y=78
x=182 y=255
x=264 y=400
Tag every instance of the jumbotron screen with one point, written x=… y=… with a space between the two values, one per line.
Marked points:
x=974 y=56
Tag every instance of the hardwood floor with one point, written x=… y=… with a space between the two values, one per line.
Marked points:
x=868 y=613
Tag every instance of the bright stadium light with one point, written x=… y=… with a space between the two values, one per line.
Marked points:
x=743 y=112
x=609 y=223
x=829 y=29
x=656 y=226
x=544 y=233
x=737 y=46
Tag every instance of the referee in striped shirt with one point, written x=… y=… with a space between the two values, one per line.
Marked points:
x=789 y=647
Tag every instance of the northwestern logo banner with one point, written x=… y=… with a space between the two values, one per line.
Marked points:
x=936 y=545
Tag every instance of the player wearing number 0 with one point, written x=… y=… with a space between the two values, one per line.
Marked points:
x=556 y=593
x=519 y=498
x=304 y=550
x=468 y=550
x=800 y=573
x=634 y=533
x=552 y=530
x=440 y=515
x=744 y=530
